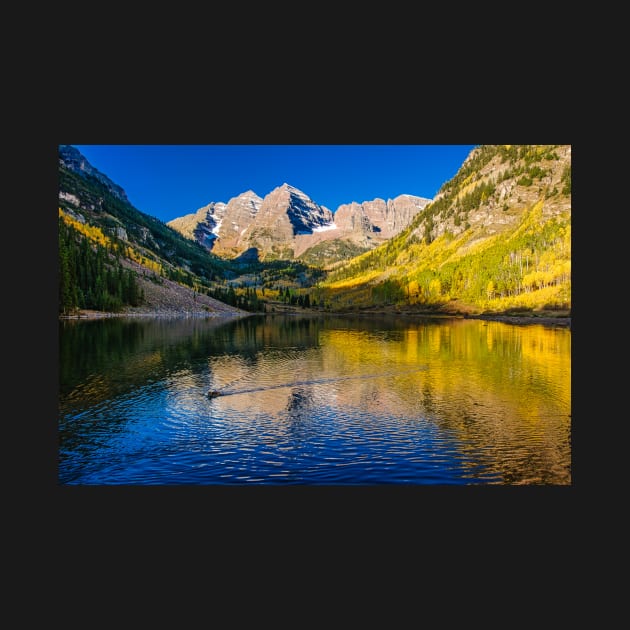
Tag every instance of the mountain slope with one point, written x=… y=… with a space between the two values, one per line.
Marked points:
x=84 y=195
x=162 y=261
x=496 y=237
x=201 y=226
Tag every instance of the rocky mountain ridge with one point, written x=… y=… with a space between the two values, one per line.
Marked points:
x=286 y=223
x=72 y=159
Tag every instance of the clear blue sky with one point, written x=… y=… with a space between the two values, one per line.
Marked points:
x=169 y=181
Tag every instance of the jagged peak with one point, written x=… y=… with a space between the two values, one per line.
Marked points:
x=248 y=197
x=212 y=205
x=249 y=194
x=293 y=190
x=413 y=197
x=419 y=202
x=416 y=198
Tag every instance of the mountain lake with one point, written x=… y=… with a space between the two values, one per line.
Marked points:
x=313 y=400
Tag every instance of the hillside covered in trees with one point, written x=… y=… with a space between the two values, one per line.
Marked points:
x=91 y=275
x=497 y=238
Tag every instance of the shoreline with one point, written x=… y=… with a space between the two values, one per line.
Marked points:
x=519 y=320
x=88 y=314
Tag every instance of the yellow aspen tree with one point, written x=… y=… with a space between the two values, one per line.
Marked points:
x=490 y=289
x=413 y=290
x=435 y=287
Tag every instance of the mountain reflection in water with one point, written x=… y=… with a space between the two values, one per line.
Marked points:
x=313 y=400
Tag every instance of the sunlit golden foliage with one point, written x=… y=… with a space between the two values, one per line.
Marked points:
x=96 y=235
x=529 y=268
x=354 y=281
x=92 y=232
x=132 y=254
x=558 y=297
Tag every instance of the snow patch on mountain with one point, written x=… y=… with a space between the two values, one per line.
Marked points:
x=325 y=228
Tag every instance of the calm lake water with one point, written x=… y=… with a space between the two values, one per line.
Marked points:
x=313 y=400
